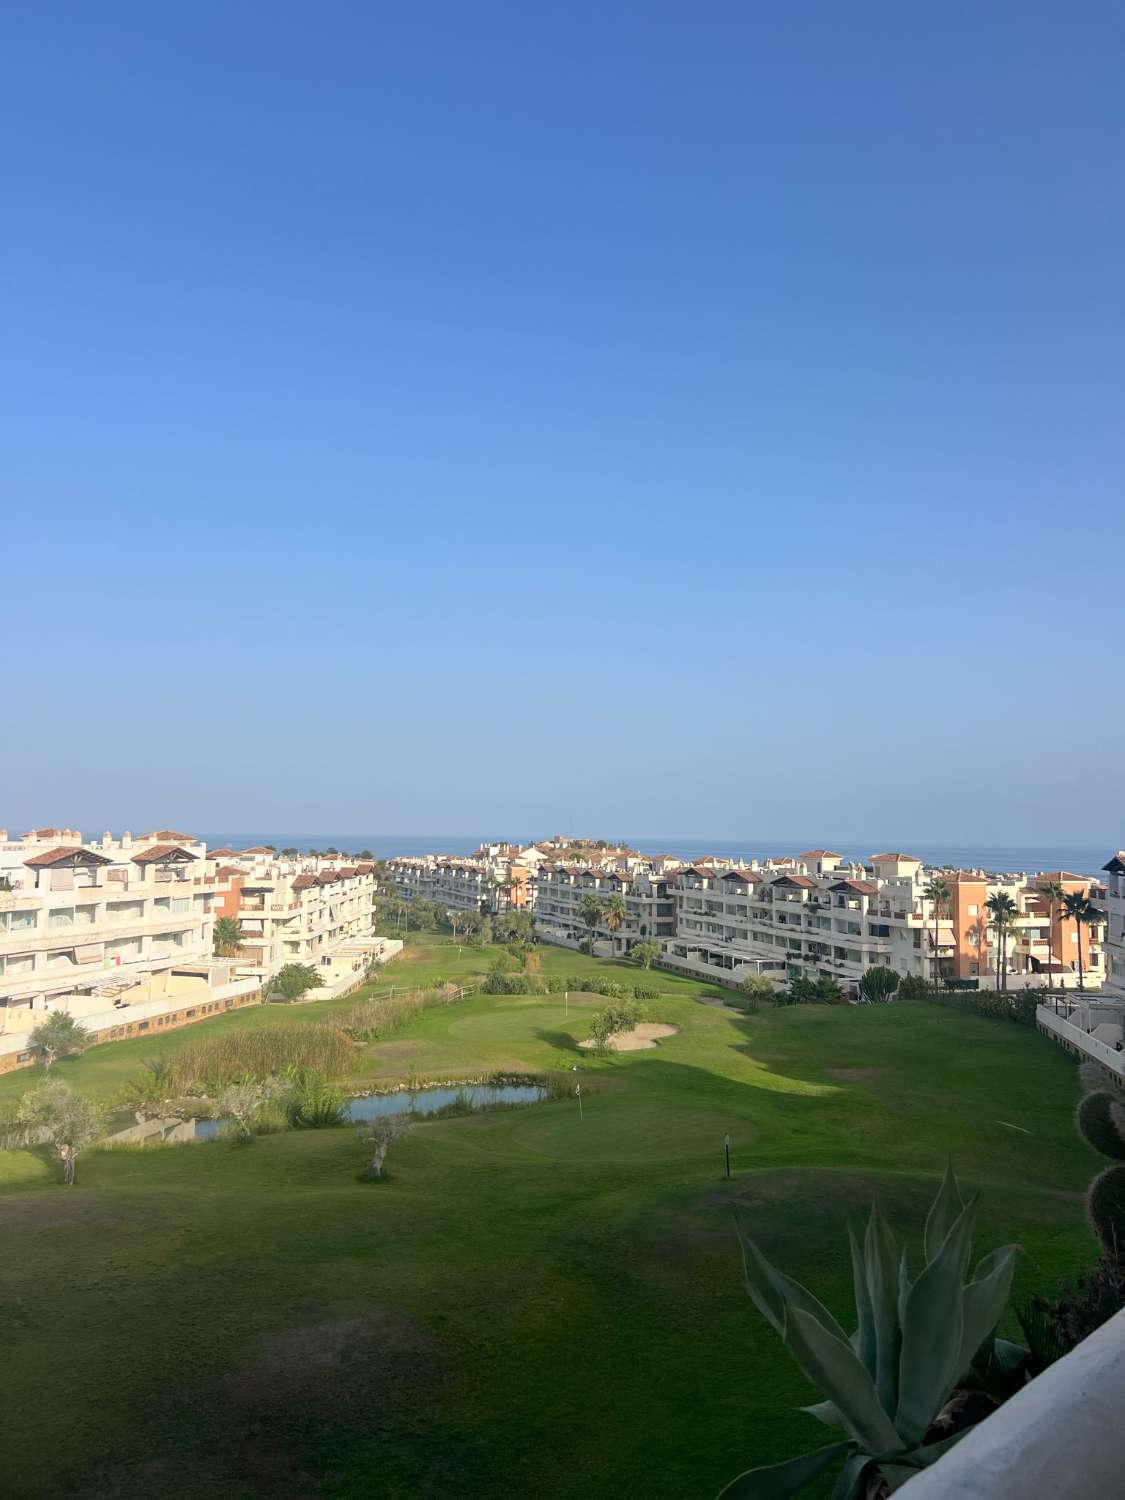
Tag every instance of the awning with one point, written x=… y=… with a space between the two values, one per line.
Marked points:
x=89 y=953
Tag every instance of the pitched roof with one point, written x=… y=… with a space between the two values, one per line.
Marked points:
x=228 y=870
x=1116 y=865
x=257 y=849
x=820 y=854
x=72 y=854
x=864 y=887
x=875 y=858
x=160 y=852
x=364 y=868
x=305 y=882
x=222 y=853
x=802 y=880
x=169 y=835
x=750 y=877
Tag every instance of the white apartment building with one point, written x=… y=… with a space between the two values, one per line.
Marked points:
x=500 y=881
x=815 y=917
x=321 y=917
x=650 y=911
x=81 y=923
x=1115 y=927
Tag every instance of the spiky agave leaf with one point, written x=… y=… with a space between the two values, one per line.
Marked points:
x=863 y=1339
x=985 y=1299
x=772 y=1292
x=835 y=1369
x=777 y=1481
x=943 y=1214
x=881 y=1258
x=932 y=1329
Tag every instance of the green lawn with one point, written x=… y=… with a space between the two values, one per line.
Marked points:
x=534 y=1303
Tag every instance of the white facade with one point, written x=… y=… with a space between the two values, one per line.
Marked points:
x=289 y=915
x=1115 y=926
x=649 y=908
x=82 y=920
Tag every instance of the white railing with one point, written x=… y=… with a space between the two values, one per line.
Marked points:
x=1060 y=1436
x=1074 y=1036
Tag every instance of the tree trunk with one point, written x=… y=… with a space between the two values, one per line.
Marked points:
x=378 y=1157
x=68 y=1156
x=999 y=952
x=1078 y=930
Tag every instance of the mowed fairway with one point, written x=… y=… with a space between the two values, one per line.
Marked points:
x=534 y=1303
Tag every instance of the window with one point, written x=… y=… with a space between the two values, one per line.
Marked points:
x=973 y=911
x=61 y=917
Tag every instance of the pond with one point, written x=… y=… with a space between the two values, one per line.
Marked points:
x=430 y=1101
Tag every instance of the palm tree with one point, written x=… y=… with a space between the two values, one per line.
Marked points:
x=1083 y=913
x=614 y=913
x=939 y=893
x=1053 y=896
x=227 y=936
x=591 y=911
x=1004 y=916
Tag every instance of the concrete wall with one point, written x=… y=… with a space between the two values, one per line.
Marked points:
x=1060 y=1437
x=147 y=1019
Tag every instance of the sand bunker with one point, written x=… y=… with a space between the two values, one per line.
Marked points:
x=647 y=1034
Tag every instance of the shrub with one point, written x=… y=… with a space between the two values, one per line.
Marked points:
x=913 y=987
x=878 y=985
x=607 y=1023
x=645 y=992
x=293 y=981
x=314 y=1104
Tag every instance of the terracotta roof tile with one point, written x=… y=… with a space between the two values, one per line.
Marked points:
x=162 y=851
x=63 y=855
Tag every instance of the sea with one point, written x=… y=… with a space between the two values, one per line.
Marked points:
x=999 y=858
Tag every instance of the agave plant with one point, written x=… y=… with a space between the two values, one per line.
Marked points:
x=888 y=1386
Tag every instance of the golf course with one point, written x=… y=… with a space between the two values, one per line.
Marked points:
x=541 y=1301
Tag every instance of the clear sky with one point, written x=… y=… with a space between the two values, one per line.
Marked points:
x=698 y=418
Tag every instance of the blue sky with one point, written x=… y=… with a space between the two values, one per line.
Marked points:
x=702 y=419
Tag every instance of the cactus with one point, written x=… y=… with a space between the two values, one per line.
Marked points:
x=1105 y=1205
x=1100 y=1119
x=1097 y=1123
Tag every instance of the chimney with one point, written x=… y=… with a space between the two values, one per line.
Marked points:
x=126 y=840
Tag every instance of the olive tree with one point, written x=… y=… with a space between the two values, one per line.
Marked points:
x=242 y=1103
x=379 y=1134
x=58 y=1036
x=54 y=1117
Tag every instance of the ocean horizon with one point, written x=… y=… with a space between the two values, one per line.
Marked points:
x=1001 y=858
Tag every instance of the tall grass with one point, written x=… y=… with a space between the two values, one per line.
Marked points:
x=375 y=1018
x=270 y=1052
